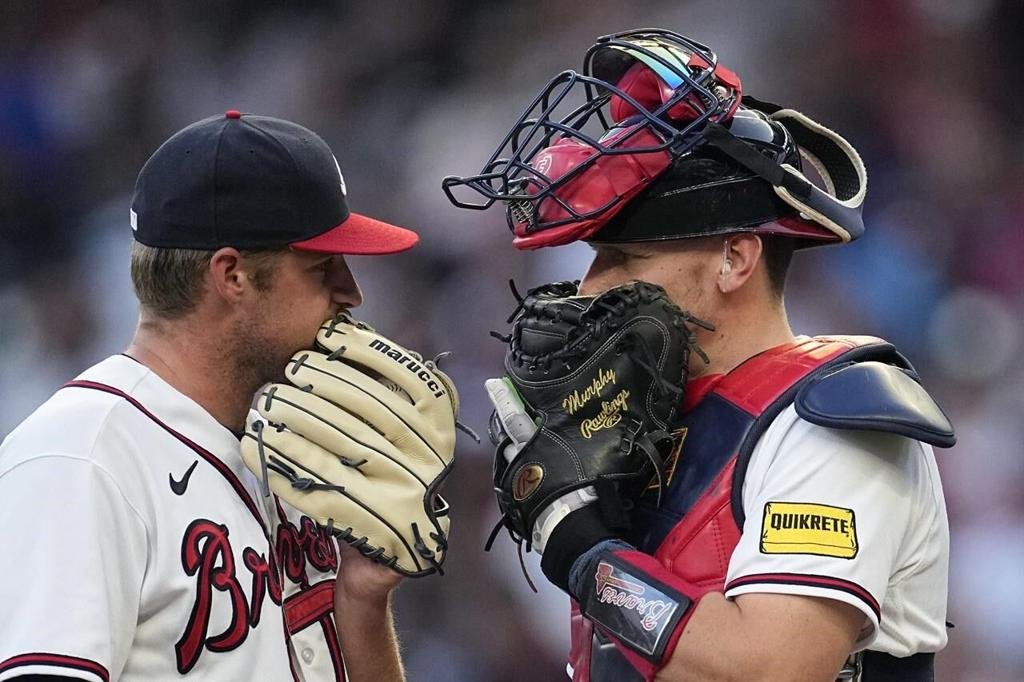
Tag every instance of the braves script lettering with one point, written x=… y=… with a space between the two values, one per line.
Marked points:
x=206 y=553
x=575 y=400
x=295 y=547
x=628 y=595
x=610 y=415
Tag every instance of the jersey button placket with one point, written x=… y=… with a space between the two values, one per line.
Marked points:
x=307 y=655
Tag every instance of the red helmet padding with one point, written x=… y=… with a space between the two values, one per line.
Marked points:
x=611 y=177
x=650 y=91
x=619 y=176
x=723 y=75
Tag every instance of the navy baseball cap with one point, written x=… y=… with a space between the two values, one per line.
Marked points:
x=252 y=182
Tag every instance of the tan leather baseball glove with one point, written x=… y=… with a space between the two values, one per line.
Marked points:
x=361 y=441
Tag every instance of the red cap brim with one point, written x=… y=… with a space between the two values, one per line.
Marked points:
x=360 y=235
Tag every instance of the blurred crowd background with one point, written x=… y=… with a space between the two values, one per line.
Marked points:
x=929 y=91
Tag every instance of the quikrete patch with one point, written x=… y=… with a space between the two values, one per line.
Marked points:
x=803 y=528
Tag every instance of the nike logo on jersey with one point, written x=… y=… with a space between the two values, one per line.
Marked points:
x=178 y=487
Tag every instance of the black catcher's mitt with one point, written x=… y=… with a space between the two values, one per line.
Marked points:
x=602 y=377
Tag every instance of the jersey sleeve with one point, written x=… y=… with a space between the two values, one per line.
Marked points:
x=75 y=561
x=825 y=514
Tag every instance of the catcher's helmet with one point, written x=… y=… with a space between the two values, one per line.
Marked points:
x=608 y=155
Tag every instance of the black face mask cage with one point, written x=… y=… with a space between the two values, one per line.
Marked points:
x=509 y=176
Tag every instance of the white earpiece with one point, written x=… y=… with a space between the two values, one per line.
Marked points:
x=726 y=261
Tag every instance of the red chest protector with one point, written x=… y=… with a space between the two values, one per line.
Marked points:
x=698 y=523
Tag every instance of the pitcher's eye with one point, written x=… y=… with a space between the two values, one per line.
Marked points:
x=324 y=266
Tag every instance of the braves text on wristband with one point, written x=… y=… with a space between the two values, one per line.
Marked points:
x=639 y=610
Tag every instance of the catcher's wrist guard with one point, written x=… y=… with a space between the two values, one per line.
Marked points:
x=635 y=601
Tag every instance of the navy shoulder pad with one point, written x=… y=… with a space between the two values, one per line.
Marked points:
x=874 y=396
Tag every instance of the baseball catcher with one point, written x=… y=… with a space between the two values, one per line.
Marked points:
x=771 y=512
x=361 y=440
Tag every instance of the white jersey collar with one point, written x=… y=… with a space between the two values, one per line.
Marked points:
x=169 y=405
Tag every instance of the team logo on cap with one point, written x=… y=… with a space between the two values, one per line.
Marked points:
x=341 y=178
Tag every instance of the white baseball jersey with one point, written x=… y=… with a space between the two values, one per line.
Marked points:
x=856 y=516
x=139 y=547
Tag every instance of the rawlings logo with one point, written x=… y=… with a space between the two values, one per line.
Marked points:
x=616 y=591
x=527 y=481
x=411 y=363
x=610 y=415
x=575 y=400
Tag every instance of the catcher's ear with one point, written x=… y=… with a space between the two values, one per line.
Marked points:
x=740 y=254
